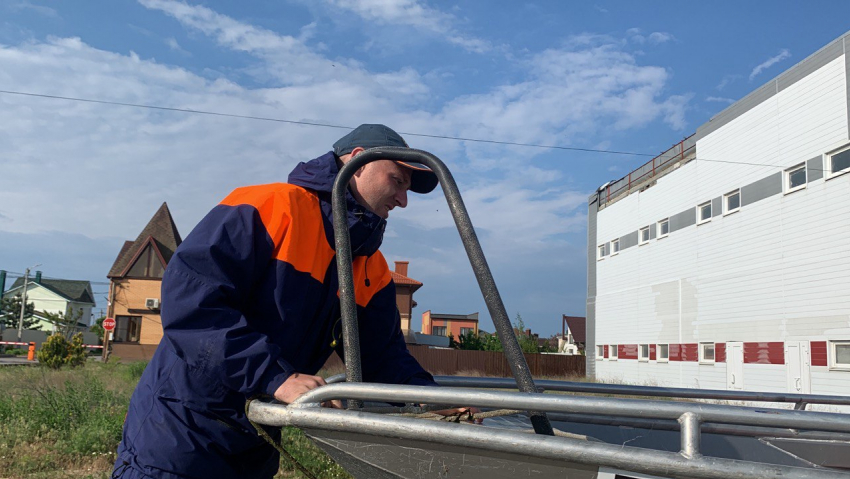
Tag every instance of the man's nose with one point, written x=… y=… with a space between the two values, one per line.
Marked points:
x=401 y=198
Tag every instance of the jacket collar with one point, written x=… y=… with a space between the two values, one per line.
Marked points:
x=366 y=228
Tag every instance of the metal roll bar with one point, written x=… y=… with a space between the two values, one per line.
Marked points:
x=637 y=408
x=799 y=400
x=687 y=464
x=348 y=306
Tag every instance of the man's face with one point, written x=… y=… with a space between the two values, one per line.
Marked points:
x=381 y=186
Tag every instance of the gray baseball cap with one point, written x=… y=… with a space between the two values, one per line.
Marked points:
x=422 y=179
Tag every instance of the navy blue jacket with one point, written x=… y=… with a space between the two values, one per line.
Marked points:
x=250 y=297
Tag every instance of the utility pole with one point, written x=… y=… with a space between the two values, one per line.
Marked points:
x=24 y=301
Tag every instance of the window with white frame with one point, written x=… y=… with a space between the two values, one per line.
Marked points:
x=731 y=202
x=600 y=352
x=601 y=250
x=795 y=178
x=612 y=352
x=839 y=355
x=663 y=228
x=704 y=213
x=838 y=162
x=662 y=353
x=615 y=247
x=706 y=353
x=643 y=352
x=643 y=235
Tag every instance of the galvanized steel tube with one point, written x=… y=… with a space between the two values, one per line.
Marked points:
x=818 y=421
x=348 y=307
x=565 y=450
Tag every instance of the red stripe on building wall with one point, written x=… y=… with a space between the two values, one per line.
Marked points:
x=764 y=353
x=684 y=352
x=719 y=352
x=690 y=352
x=627 y=351
x=819 y=354
x=652 y=352
x=604 y=349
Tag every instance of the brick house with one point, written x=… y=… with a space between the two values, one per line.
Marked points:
x=135 y=284
x=439 y=324
x=404 y=289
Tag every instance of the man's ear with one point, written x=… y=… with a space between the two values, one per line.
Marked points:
x=356 y=151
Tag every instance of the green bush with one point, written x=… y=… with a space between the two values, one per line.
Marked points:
x=58 y=351
x=54 y=351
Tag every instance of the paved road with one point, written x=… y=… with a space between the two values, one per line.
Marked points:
x=16 y=361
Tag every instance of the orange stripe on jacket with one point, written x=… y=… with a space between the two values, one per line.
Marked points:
x=292 y=217
x=378 y=273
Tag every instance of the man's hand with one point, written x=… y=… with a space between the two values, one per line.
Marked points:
x=471 y=411
x=298 y=384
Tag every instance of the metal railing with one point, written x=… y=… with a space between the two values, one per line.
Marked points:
x=348 y=307
x=687 y=463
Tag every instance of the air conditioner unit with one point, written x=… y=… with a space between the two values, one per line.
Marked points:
x=152 y=303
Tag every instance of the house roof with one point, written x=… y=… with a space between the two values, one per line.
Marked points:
x=402 y=279
x=455 y=317
x=160 y=231
x=578 y=327
x=70 y=289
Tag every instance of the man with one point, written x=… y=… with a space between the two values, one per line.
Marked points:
x=250 y=307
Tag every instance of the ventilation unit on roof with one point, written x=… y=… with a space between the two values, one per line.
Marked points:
x=152 y=303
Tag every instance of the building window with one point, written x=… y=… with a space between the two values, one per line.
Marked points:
x=839 y=354
x=603 y=251
x=438 y=330
x=704 y=213
x=612 y=352
x=127 y=329
x=795 y=178
x=838 y=162
x=731 y=202
x=643 y=352
x=615 y=247
x=663 y=228
x=706 y=353
x=644 y=235
x=600 y=352
x=465 y=331
x=663 y=353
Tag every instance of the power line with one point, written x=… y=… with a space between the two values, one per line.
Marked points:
x=324 y=125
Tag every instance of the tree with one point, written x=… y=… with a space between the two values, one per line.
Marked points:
x=66 y=324
x=57 y=351
x=10 y=313
x=527 y=342
x=97 y=327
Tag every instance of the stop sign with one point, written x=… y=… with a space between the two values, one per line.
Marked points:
x=108 y=324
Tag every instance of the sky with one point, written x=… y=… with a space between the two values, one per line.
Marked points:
x=79 y=178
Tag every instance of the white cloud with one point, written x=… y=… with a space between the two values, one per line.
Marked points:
x=415 y=14
x=782 y=55
x=718 y=99
x=726 y=81
x=660 y=37
x=172 y=44
x=27 y=5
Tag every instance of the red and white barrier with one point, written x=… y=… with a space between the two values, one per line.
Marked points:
x=14 y=343
x=93 y=346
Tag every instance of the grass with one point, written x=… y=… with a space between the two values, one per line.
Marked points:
x=67 y=423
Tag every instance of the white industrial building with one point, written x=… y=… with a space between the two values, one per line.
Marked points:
x=724 y=263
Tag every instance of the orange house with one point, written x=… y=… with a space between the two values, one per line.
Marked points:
x=440 y=324
x=135 y=285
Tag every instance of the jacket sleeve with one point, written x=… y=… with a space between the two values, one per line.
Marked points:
x=205 y=290
x=385 y=357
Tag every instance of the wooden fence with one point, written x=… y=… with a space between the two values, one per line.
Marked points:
x=485 y=363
